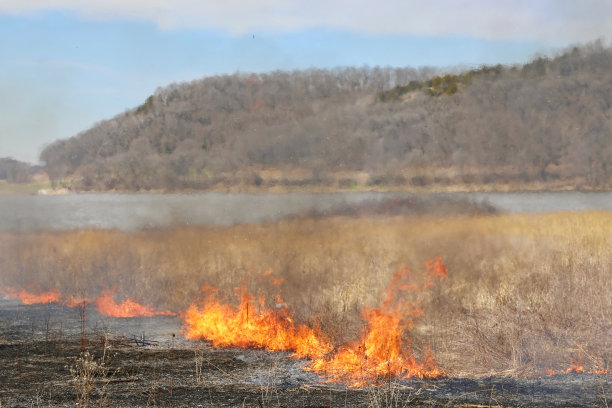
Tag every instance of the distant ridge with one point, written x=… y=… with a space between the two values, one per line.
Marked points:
x=546 y=124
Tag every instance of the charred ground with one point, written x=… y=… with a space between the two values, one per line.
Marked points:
x=39 y=346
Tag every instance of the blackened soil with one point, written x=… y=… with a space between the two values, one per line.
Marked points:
x=37 y=354
x=37 y=373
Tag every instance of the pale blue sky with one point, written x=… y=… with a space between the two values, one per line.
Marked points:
x=66 y=64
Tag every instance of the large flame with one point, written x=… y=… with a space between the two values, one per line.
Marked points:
x=251 y=325
x=29 y=298
x=382 y=351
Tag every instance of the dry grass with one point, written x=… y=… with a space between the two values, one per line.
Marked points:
x=525 y=293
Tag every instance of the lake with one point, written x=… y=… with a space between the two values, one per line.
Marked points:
x=135 y=211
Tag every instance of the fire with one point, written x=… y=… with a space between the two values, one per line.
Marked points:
x=251 y=325
x=28 y=298
x=576 y=367
x=579 y=369
x=382 y=350
x=72 y=301
x=107 y=306
x=577 y=364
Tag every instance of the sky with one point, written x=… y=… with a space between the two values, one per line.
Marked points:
x=68 y=64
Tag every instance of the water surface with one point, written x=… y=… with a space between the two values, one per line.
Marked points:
x=135 y=211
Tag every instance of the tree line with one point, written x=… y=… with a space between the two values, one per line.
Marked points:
x=15 y=171
x=546 y=121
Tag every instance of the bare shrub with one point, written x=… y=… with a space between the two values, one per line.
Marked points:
x=90 y=378
x=391 y=394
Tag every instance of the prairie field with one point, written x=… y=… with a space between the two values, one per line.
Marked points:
x=524 y=294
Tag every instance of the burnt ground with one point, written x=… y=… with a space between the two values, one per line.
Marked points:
x=145 y=365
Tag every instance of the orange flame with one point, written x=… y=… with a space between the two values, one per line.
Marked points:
x=28 y=298
x=600 y=371
x=107 y=306
x=576 y=367
x=72 y=301
x=381 y=352
x=252 y=326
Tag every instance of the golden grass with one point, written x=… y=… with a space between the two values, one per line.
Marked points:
x=525 y=292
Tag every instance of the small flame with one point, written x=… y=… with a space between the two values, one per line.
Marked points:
x=72 y=301
x=107 y=306
x=381 y=351
x=576 y=367
x=28 y=298
x=105 y=303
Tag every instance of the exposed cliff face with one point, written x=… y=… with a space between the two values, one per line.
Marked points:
x=545 y=122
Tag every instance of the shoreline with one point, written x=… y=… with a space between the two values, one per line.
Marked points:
x=16 y=189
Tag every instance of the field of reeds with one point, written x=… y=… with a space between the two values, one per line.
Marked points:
x=524 y=294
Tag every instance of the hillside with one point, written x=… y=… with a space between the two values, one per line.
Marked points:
x=15 y=172
x=545 y=124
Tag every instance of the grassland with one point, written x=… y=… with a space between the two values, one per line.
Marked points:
x=525 y=293
x=22 y=188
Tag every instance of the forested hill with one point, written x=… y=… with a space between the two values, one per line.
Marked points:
x=546 y=124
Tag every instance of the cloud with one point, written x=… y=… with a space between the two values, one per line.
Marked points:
x=542 y=20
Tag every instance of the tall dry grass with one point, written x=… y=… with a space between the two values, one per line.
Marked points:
x=525 y=292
